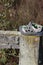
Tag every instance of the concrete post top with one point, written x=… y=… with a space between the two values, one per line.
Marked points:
x=17 y=33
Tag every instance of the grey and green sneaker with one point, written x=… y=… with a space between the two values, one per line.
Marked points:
x=31 y=28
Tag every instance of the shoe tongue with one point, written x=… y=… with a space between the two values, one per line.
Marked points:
x=30 y=24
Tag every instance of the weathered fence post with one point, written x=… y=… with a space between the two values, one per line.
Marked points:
x=28 y=45
x=29 y=50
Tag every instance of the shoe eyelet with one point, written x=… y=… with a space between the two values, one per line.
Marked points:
x=26 y=30
x=32 y=31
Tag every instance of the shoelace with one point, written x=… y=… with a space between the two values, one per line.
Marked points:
x=35 y=26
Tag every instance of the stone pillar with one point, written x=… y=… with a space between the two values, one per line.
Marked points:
x=29 y=49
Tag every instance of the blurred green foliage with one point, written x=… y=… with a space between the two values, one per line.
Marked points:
x=12 y=15
x=5 y=22
x=8 y=56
